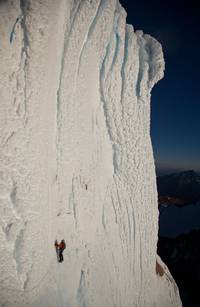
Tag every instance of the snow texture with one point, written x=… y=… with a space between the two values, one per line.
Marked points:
x=76 y=157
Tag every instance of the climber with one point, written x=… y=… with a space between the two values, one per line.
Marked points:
x=62 y=246
x=59 y=249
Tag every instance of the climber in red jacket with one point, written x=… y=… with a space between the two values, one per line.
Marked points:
x=59 y=249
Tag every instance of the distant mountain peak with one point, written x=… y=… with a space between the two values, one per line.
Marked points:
x=184 y=186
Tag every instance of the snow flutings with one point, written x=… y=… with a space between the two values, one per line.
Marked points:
x=76 y=160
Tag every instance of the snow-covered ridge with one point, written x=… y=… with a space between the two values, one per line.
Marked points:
x=76 y=158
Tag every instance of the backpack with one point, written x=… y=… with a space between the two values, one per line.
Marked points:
x=62 y=245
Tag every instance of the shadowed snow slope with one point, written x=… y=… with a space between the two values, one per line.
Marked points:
x=76 y=157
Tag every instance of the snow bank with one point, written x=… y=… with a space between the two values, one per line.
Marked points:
x=76 y=157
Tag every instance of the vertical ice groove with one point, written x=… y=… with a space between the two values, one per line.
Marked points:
x=24 y=53
x=149 y=52
x=64 y=48
x=81 y=290
x=141 y=66
x=103 y=99
x=13 y=196
x=24 y=8
x=103 y=217
x=102 y=82
x=12 y=33
x=129 y=226
x=90 y=31
x=99 y=12
x=105 y=76
x=16 y=239
x=74 y=202
x=74 y=12
x=8 y=137
x=117 y=43
x=66 y=41
x=117 y=190
x=125 y=57
x=114 y=209
x=134 y=236
x=67 y=35
x=17 y=254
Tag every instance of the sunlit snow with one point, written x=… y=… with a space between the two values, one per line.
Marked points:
x=76 y=157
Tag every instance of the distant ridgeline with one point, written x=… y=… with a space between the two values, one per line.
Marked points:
x=179 y=189
x=178 y=244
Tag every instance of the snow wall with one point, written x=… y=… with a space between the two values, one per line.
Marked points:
x=76 y=157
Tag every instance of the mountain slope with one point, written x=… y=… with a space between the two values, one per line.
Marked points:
x=76 y=157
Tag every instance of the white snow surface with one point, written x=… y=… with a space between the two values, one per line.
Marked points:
x=76 y=157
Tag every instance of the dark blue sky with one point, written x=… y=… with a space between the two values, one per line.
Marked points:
x=175 y=119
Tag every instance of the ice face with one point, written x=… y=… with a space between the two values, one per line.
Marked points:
x=76 y=157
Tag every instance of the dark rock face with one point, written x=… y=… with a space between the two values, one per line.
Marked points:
x=182 y=256
x=184 y=186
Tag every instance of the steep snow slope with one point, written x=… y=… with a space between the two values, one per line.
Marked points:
x=76 y=157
